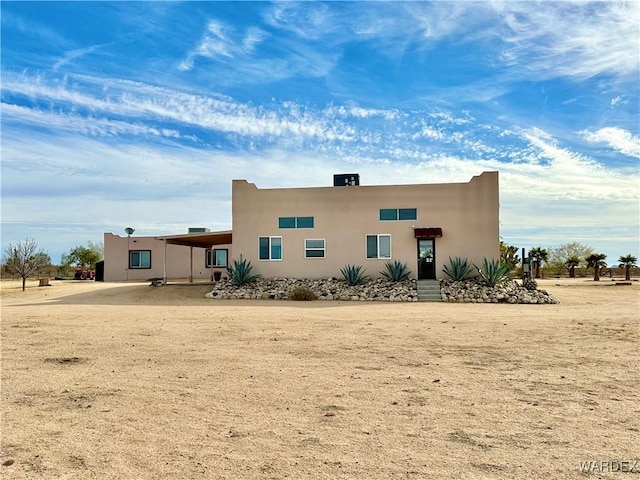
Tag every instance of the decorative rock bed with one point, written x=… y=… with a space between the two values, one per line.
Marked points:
x=380 y=290
x=473 y=291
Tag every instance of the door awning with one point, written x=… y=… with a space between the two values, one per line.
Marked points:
x=431 y=232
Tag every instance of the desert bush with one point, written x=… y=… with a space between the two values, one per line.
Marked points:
x=396 y=271
x=458 y=268
x=303 y=294
x=240 y=272
x=493 y=272
x=354 y=274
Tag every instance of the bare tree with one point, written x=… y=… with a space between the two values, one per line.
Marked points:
x=25 y=259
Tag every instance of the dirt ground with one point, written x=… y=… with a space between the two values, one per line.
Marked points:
x=124 y=381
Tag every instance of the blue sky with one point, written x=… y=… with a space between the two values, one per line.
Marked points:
x=118 y=114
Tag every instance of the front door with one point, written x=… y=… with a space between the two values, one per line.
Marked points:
x=426 y=259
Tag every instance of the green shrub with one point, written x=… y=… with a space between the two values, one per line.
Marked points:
x=458 y=268
x=493 y=272
x=354 y=274
x=396 y=271
x=240 y=272
x=303 y=294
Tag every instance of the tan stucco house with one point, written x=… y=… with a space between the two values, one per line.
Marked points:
x=314 y=232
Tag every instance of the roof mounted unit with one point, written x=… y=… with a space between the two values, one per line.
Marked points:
x=346 y=179
x=198 y=230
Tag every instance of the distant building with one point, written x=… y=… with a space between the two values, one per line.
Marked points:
x=314 y=232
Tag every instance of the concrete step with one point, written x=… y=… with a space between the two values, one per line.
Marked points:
x=434 y=300
x=428 y=288
x=429 y=291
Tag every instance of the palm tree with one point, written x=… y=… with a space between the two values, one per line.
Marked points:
x=571 y=264
x=509 y=255
x=627 y=261
x=596 y=261
x=538 y=255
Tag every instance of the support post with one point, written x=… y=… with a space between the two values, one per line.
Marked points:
x=164 y=266
x=190 y=264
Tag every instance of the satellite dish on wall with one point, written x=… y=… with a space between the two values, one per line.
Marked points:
x=129 y=231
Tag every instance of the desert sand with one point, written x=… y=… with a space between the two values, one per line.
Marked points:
x=124 y=381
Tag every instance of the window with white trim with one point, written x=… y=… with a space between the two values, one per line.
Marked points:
x=378 y=246
x=270 y=248
x=218 y=257
x=139 y=258
x=314 y=248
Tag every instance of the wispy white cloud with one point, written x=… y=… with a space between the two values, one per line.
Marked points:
x=75 y=54
x=571 y=39
x=621 y=140
x=86 y=125
x=538 y=39
x=132 y=108
x=619 y=100
x=221 y=40
x=311 y=20
x=360 y=112
x=33 y=29
x=217 y=114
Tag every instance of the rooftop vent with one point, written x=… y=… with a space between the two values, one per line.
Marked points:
x=346 y=179
x=198 y=230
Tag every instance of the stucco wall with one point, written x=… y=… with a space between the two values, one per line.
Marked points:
x=468 y=214
x=116 y=250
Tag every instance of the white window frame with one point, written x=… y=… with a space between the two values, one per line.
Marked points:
x=323 y=249
x=270 y=240
x=378 y=235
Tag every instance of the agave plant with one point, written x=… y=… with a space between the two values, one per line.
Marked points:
x=458 y=268
x=493 y=272
x=354 y=274
x=396 y=271
x=240 y=272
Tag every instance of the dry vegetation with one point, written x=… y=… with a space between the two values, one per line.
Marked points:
x=123 y=381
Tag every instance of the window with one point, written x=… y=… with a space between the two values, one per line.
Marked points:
x=314 y=248
x=216 y=258
x=139 y=258
x=387 y=214
x=295 y=222
x=407 y=214
x=378 y=246
x=270 y=248
x=287 y=222
x=304 y=222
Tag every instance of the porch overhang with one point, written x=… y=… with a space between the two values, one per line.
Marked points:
x=430 y=232
x=201 y=240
